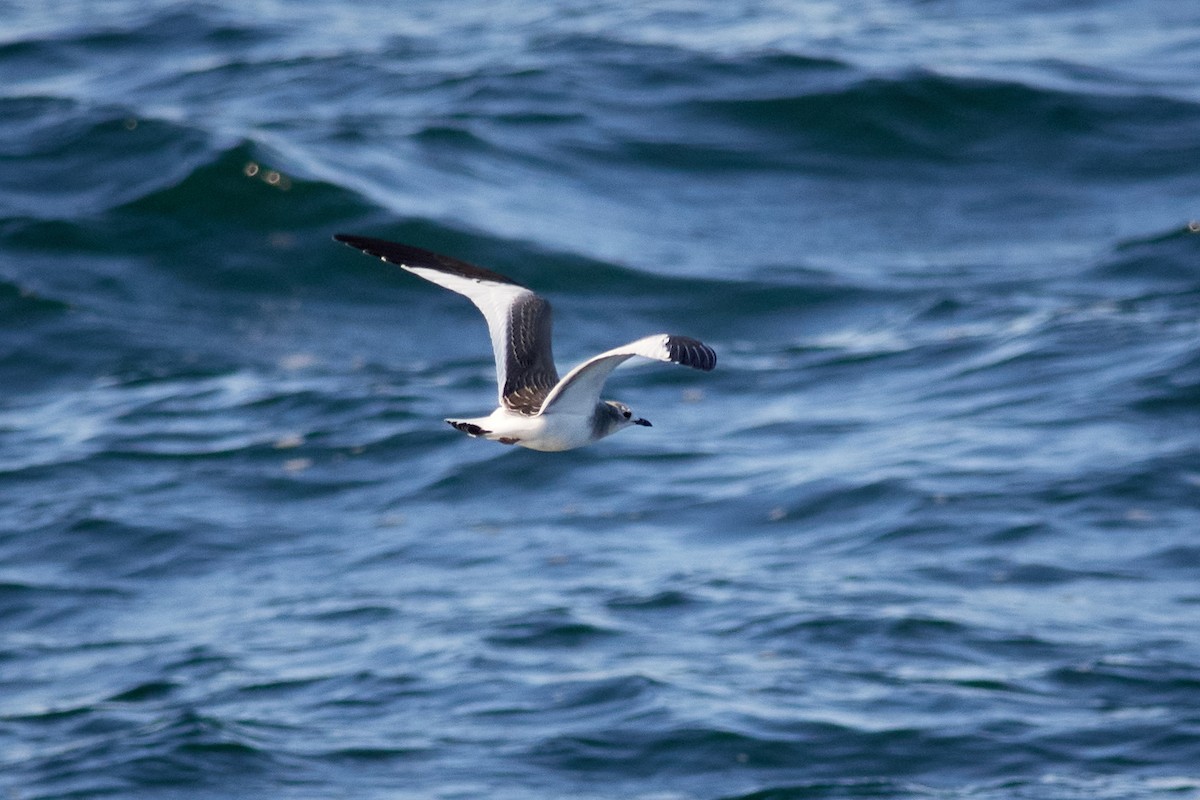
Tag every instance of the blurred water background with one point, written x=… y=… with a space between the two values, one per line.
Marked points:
x=931 y=530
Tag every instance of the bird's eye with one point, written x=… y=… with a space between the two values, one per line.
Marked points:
x=627 y=414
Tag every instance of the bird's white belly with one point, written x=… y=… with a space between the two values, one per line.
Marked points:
x=549 y=433
x=561 y=432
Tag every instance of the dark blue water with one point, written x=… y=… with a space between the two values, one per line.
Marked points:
x=930 y=530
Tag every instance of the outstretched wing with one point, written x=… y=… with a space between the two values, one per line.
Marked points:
x=518 y=320
x=579 y=391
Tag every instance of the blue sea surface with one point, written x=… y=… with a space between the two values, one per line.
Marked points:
x=931 y=529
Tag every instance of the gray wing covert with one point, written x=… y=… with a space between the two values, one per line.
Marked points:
x=529 y=361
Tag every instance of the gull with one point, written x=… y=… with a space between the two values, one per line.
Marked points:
x=536 y=409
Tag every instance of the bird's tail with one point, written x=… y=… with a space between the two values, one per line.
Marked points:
x=467 y=427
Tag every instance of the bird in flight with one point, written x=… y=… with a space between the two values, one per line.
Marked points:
x=537 y=409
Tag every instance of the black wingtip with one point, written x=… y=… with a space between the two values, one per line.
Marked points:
x=373 y=247
x=691 y=353
x=406 y=255
x=364 y=243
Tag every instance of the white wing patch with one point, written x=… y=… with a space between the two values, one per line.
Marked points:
x=492 y=299
x=579 y=391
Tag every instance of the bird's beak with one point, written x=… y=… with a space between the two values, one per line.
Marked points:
x=640 y=421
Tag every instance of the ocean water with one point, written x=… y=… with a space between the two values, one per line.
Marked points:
x=930 y=530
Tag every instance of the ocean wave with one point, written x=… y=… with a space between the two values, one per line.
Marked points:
x=546 y=628
x=270 y=419
x=147 y=27
x=770 y=110
x=940 y=118
x=32 y=604
x=80 y=159
x=649 y=749
x=237 y=190
x=1170 y=387
x=1171 y=257
x=843 y=789
x=109 y=180
x=21 y=305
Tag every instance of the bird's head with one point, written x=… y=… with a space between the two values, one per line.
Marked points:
x=623 y=417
